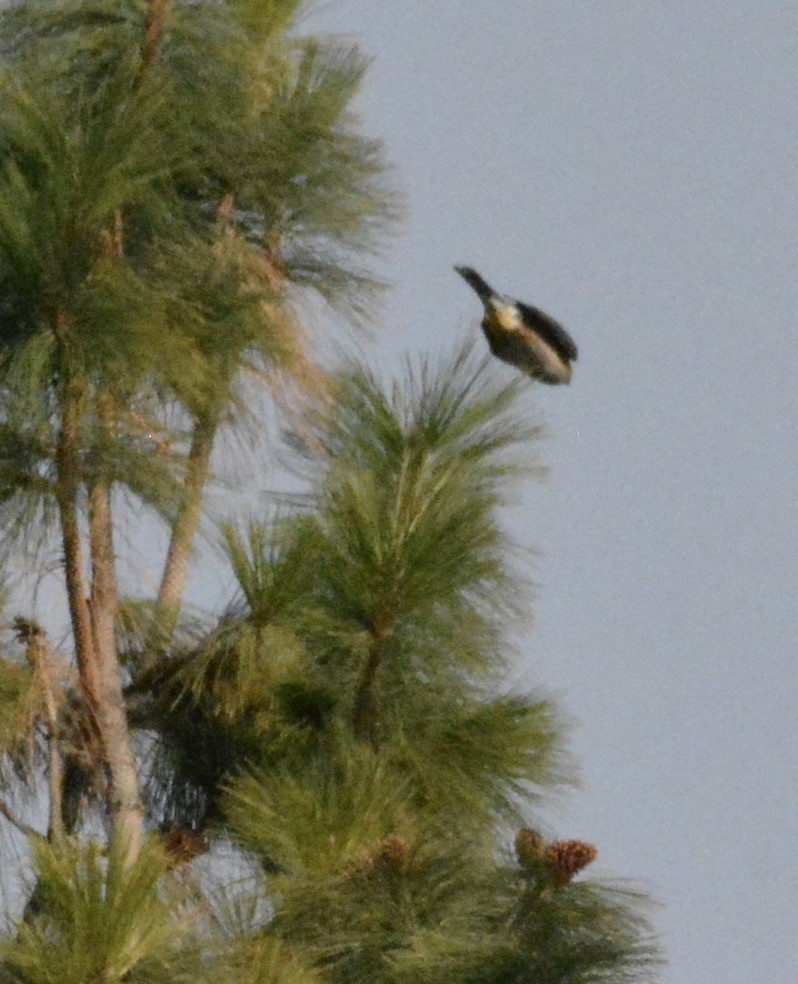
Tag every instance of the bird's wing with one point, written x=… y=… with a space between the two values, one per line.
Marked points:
x=549 y=330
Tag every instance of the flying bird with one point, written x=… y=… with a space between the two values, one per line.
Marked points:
x=522 y=335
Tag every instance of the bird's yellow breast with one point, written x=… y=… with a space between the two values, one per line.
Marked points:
x=503 y=317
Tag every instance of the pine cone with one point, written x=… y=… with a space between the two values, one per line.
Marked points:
x=393 y=855
x=182 y=845
x=568 y=858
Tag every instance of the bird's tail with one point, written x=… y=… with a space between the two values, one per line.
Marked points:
x=471 y=277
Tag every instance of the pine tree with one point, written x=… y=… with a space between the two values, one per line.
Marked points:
x=167 y=173
x=343 y=723
x=172 y=177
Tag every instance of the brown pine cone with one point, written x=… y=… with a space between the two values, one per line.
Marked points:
x=567 y=858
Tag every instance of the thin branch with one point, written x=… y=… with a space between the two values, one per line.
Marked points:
x=13 y=819
x=365 y=717
x=173 y=580
x=153 y=31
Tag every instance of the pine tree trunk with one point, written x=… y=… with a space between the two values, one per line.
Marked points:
x=173 y=581
x=68 y=481
x=125 y=800
x=93 y=624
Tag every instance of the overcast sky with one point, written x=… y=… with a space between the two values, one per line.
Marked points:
x=630 y=167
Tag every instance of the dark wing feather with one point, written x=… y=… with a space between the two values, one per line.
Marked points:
x=550 y=331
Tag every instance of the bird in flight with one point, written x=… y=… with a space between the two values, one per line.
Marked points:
x=522 y=335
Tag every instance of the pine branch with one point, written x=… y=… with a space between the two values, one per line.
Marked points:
x=153 y=31
x=186 y=524
x=365 y=719
x=38 y=655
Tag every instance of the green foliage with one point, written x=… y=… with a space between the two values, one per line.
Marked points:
x=99 y=919
x=501 y=930
x=270 y=563
x=407 y=504
x=63 y=175
x=151 y=218
x=73 y=45
x=17 y=705
x=382 y=610
x=266 y=18
x=380 y=845
x=438 y=912
x=271 y=961
x=320 y=819
x=479 y=759
x=383 y=844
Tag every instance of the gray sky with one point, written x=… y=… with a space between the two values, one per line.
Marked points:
x=631 y=168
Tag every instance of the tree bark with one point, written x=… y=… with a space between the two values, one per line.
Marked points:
x=93 y=623
x=68 y=483
x=125 y=801
x=173 y=581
